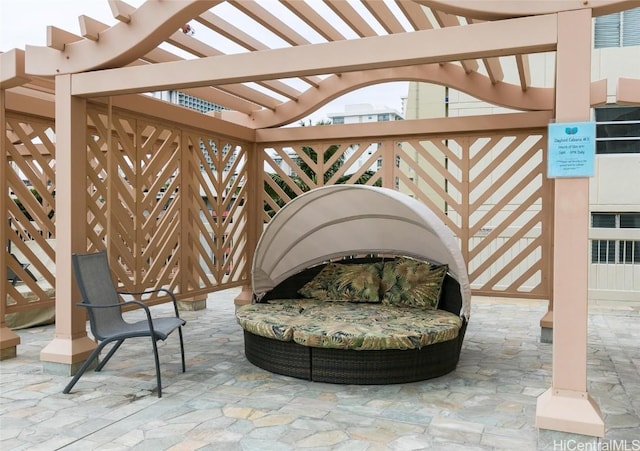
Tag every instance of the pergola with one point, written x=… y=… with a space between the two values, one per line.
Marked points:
x=179 y=198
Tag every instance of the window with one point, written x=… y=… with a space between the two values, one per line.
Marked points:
x=195 y=103
x=618 y=29
x=338 y=120
x=617 y=130
x=615 y=251
x=383 y=117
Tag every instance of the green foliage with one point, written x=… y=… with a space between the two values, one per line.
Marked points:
x=309 y=172
x=38 y=197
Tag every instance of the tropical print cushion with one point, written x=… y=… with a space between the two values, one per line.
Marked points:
x=346 y=325
x=344 y=282
x=412 y=283
x=376 y=327
x=275 y=319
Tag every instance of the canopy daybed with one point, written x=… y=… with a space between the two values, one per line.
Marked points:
x=356 y=284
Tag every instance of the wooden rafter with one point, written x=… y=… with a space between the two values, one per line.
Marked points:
x=448 y=20
x=350 y=16
x=415 y=14
x=384 y=15
x=240 y=37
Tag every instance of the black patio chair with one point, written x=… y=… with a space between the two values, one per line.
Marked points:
x=13 y=277
x=104 y=304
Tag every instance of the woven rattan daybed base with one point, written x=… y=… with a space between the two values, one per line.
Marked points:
x=343 y=366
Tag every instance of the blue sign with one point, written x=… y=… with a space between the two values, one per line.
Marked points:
x=571 y=149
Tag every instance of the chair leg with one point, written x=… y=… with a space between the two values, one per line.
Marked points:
x=181 y=348
x=83 y=368
x=155 y=356
x=111 y=352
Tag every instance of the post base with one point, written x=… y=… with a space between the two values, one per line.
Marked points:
x=546 y=327
x=9 y=342
x=245 y=297
x=8 y=353
x=568 y=411
x=192 y=305
x=65 y=356
x=546 y=335
x=65 y=369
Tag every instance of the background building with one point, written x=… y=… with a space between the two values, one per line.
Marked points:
x=364 y=112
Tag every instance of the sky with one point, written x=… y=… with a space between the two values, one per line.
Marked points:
x=24 y=22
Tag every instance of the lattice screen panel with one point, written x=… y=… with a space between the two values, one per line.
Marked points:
x=290 y=170
x=30 y=227
x=432 y=172
x=167 y=202
x=218 y=218
x=134 y=200
x=495 y=210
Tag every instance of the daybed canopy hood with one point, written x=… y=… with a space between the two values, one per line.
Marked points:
x=342 y=220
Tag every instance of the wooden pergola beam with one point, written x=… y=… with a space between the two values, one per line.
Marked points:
x=405 y=129
x=12 y=69
x=481 y=40
x=496 y=10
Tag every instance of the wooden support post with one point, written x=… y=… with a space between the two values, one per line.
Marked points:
x=253 y=213
x=70 y=345
x=567 y=406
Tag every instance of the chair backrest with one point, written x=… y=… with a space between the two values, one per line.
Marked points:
x=97 y=288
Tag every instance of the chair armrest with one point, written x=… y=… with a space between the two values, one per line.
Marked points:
x=118 y=305
x=140 y=304
x=156 y=290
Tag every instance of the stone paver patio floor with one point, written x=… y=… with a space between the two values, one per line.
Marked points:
x=225 y=403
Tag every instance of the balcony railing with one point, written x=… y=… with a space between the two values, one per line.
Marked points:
x=614 y=268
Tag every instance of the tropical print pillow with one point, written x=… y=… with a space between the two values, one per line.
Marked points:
x=343 y=282
x=412 y=283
